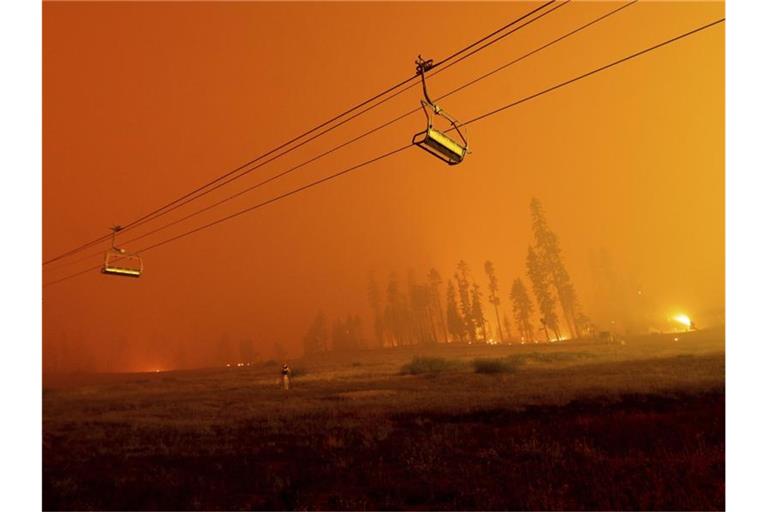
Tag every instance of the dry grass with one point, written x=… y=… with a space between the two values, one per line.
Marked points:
x=577 y=426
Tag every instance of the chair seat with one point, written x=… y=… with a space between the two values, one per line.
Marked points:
x=121 y=271
x=442 y=146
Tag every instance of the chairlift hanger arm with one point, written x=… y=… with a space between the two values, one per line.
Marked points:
x=455 y=123
x=422 y=66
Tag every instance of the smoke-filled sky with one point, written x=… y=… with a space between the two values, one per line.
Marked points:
x=143 y=102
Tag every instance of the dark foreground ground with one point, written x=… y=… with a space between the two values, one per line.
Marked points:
x=581 y=426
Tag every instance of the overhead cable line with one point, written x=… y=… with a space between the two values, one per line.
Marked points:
x=251 y=208
x=398 y=150
x=384 y=125
x=230 y=179
x=369 y=132
x=275 y=157
x=590 y=73
x=200 y=190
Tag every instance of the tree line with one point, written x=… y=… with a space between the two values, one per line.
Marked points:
x=437 y=310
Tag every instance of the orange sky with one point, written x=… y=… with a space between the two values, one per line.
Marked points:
x=144 y=101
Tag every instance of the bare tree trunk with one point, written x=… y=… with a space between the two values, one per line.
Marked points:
x=432 y=327
x=442 y=318
x=498 y=322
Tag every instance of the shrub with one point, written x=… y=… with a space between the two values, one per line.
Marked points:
x=494 y=366
x=298 y=372
x=428 y=365
x=551 y=357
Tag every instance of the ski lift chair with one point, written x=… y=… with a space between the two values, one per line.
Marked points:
x=118 y=262
x=432 y=140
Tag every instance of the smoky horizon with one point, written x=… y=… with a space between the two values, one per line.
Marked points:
x=144 y=102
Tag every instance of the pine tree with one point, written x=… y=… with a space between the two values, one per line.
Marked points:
x=493 y=295
x=478 y=317
x=552 y=266
x=453 y=318
x=434 y=281
x=465 y=301
x=507 y=329
x=423 y=325
x=538 y=275
x=522 y=310
x=396 y=321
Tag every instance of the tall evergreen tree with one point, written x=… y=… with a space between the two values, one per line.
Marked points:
x=465 y=300
x=396 y=314
x=522 y=310
x=454 y=321
x=478 y=317
x=538 y=275
x=507 y=329
x=421 y=315
x=552 y=266
x=493 y=295
x=434 y=281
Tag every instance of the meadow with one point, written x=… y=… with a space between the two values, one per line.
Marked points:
x=573 y=425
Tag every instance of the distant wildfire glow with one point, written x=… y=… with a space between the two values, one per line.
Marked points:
x=682 y=319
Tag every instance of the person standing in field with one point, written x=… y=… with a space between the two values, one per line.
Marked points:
x=285 y=374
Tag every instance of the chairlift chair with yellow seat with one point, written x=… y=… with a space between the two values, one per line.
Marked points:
x=432 y=140
x=118 y=262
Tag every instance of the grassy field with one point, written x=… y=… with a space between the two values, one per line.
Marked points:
x=572 y=425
